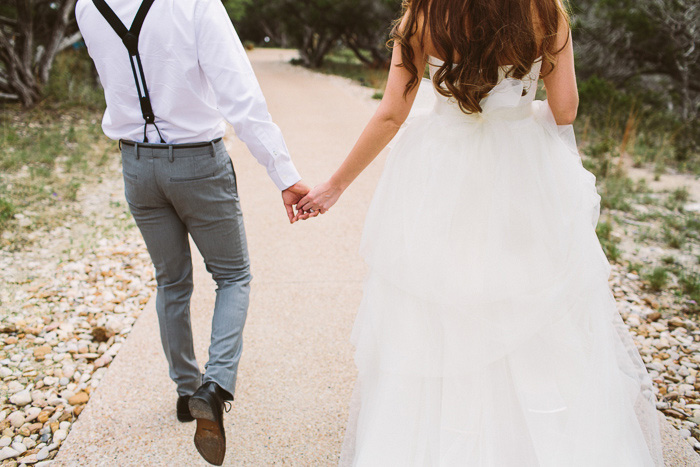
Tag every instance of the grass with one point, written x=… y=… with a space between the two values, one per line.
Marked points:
x=7 y=211
x=47 y=153
x=635 y=267
x=616 y=192
x=604 y=230
x=657 y=279
x=692 y=226
x=677 y=199
x=690 y=285
x=669 y=260
x=639 y=126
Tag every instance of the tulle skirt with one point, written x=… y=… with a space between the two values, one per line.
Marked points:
x=487 y=335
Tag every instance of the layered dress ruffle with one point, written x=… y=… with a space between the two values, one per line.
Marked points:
x=487 y=335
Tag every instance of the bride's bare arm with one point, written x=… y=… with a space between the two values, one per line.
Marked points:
x=380 y=130
x=562 y=93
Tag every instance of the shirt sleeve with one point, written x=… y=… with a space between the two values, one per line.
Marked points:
x=239 y=97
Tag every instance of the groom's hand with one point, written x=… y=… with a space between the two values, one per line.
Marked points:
x=291 y=196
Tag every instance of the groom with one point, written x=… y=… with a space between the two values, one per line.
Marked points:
x=173 y=72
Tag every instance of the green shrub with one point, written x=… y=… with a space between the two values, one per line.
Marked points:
x=617 y=190
x=690 y=283
x=608 y=241
x=639 y=120
x=692 y=225
x=7 y=210
x=674 y=239
x=604 y=230
x=74 y=82
x=669 y=260
x=72 y=191
x=680 y=195
x=658 y=278
x=635 y=267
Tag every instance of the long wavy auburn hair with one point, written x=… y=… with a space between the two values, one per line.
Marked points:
x=476 y=38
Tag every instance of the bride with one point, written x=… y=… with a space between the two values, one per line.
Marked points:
x=487 y=334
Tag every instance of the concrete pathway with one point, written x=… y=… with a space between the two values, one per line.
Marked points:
x=297 y=373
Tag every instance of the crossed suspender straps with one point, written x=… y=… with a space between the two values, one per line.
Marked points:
x=130 y=37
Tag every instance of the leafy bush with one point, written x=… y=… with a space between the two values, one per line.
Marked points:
x=616 y=193
x=674 y=238
x=74 y=82
x=658 y=278
x=690 y=284
x=609 y=243
x=7 y=210
x=638 y=122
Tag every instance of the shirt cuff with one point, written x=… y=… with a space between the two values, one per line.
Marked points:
x=284 y=175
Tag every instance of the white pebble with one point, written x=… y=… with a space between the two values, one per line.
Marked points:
x=43 y=453
x=50 y=380
x=29 y=443
x=16 y=419
x=21 y=399
x=14 y=387
x=32 y=413
x=57 y=401
x=69 y=371
x=38 y=396
x=19 y=447
x=8 y=453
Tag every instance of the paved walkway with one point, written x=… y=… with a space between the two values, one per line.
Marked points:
x=297 y=372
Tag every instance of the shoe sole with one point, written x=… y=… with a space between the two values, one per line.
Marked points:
x=208 y=439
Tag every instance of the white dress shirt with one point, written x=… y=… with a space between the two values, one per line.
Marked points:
x=198 y=75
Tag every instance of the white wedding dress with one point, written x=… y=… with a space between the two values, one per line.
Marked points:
x=488 y=335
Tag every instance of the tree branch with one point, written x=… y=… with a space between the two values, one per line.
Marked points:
x=7 y=21
x=69 y=41
x=57 y=36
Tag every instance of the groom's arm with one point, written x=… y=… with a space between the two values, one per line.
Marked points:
x=239 y=97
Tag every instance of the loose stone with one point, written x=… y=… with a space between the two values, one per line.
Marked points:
x=21 y=398
x=16 y=419
x=43 y=453
x=8 y=453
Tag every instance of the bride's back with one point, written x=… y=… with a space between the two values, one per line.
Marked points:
x=476 y=38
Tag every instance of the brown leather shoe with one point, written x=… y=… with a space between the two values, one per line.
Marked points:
x=207 y=406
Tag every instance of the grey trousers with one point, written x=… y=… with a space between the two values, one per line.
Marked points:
x=173 y=191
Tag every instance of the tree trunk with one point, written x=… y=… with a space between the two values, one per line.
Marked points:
x=315 y=47
x=58 y=33
x=26 y=64
x=377 y=60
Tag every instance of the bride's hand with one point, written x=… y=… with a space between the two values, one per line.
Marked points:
x=320 y=199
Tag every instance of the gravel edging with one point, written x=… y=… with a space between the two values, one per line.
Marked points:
x=69 y=300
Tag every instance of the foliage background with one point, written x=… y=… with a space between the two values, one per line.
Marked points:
x=636 y=63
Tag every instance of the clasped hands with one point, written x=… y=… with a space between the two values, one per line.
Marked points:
x=310 y=202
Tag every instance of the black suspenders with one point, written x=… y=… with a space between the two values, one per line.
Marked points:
x=130 y=37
